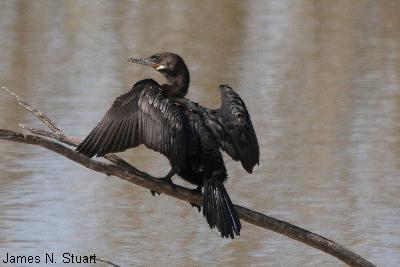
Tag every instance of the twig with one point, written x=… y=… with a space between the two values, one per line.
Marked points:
x=108 y=262
x=55 y=135
x=129 y=173
x=34 y=111
x=73 y=141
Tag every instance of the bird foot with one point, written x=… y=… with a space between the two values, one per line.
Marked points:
x=167 y=179
x=197 y=190
x=153 y=193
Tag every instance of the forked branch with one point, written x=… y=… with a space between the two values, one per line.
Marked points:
x=123 y=170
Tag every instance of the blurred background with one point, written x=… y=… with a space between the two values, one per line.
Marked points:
x=320 y=78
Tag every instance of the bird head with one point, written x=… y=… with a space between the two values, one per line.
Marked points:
x=169 y=64
x=172 y=67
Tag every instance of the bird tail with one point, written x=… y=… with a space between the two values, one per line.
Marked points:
x=219 y=210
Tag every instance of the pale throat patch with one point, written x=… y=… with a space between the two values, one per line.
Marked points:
x=161 y=67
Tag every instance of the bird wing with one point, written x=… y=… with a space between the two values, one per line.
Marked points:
x=144 y=115
x=235 y=131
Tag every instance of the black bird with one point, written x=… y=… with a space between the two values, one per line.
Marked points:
x=189 y=135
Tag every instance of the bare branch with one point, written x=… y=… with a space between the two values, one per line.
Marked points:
x=127 y=172
x=73 y=141
x=108 y=262
x=36 y=112
x=55 y=135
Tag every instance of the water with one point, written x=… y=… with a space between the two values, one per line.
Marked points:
x=320 y=78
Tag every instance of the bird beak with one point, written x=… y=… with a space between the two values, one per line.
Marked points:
x=147 y=62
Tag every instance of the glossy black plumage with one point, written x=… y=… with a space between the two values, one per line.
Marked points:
x=189 y=135
x=237 y=138
x=142 y=116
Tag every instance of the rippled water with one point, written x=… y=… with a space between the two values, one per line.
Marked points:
x=320 y=78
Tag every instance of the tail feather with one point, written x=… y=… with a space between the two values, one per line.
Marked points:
x=219 y=210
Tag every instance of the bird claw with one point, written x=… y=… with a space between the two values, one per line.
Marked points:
x=153 y=193
x=167 y=179
x=196 y=206
x=197 y=190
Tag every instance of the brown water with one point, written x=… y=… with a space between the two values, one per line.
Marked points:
x=320 y=78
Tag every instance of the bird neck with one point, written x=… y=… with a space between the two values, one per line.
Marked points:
x=178 y=85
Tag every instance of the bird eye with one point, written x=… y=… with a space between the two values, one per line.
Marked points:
x=155 y=58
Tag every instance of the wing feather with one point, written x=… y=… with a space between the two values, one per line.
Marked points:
x=236 y=133
x=145 y=115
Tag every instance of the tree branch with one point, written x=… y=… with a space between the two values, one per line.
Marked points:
x=127 y=172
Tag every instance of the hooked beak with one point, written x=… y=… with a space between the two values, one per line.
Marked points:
x=147 y=62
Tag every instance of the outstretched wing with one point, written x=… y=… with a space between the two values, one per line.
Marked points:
x=144 y=115
x=236 y=134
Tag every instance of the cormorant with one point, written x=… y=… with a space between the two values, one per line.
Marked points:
x=189 y=135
